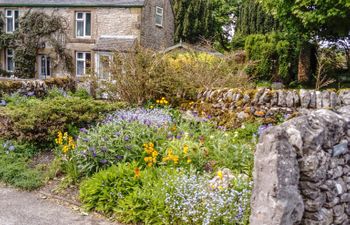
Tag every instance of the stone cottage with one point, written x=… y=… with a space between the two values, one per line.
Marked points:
x=96 y=29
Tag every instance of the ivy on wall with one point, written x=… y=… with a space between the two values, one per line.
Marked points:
x=37 y=30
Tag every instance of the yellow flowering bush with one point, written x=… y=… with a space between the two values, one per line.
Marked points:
x=152 y=154
x=65 y=142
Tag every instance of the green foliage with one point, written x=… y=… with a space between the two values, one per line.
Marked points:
x=252 y=19
x=39 y=120
x=312 y=17
x=14 y=168
x=272 y=56
x=103 y=190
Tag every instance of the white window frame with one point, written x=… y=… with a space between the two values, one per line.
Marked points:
x=97 y=63
x=13 y=17
x=7 y=60
x=46 y=67
x=161 y=15
x=81 y=60
x=84 y=22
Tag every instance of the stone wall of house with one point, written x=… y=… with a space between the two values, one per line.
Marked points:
x=302 y=171
x=264 y=102
x=157 y=37
x=105 y=21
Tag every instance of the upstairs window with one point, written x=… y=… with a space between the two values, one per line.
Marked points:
x=10 y=62
x=83 y=63
x=83 y=24
x=159 y=16
x=11 y=17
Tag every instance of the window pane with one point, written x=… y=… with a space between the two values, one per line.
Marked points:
x=80 y=28
x=88 y=60
x=9 y=52
x=80 y=68
x=48 y=65
x=80 y=55
x=16 y=19
x=8 y=12
x=43 y=66
x=159 y=20
x=9 y=23
x=88 y=24
x=79 y=15
x=10 y=64
x=159 y=10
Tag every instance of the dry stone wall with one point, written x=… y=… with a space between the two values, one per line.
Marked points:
x=302 y=169
x=266 y=101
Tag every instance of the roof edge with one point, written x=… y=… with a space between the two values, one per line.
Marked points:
x=71 y=5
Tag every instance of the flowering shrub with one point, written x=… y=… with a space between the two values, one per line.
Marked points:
x=191 y=200
x=149 y=117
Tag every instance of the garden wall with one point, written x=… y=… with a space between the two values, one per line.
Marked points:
x=302 y=171
x=33 y=87
x=264 y=101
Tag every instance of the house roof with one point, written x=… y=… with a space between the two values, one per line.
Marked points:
x=115 y=44
x=73 y=3
x=188 y=47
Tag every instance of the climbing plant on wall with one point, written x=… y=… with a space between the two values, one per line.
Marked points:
x=37 y=30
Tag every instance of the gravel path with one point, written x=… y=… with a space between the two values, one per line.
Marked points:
x=24 y=208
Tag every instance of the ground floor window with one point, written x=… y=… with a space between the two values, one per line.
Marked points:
x=103 y=65
x=83 y=63
x=10 y=62
x=45 y=66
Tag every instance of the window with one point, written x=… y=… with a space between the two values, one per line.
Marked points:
x=83 y=63
x=10 y=63
x=45 y=66
x=159 y=16
x=11 y=20
x=83 y=24
x=103 y=65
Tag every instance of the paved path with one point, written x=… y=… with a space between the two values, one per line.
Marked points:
x=23 y=208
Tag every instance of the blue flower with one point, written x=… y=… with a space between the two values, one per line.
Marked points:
x=30 y=93
x=126 y=138
x=3 y=103
x=119 y=157
x=11 y=148
x=83 y=130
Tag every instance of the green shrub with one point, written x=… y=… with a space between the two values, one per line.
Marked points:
x=38 y=120
x=14 y=168
x=272 y=56
x=102 y=191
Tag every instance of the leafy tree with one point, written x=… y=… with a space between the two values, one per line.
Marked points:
x=204 y=19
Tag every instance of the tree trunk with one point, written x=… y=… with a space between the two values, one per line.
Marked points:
x=304 y=65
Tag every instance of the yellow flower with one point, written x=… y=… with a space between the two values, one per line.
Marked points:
x=189 y=160
x=151 y=107
x=221 y=188
x=158 y=101
x=185 y=150
x=59 y=139
x=150 y=164
x=137 y=172
x=65 y=149
x=220 y=175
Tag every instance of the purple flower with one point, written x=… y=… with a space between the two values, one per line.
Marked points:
x=119 y=157
x=11 y=148
x=3 y=103
x=104 y=149
x=263 y=128
x=83 y=130
x=126 y=138
x=30 y=93
x=128 y=147
x=92 y=149
x=117 y=134
x=103 y=161
x=94 y=154
x=178 y=136
x=86 y=139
